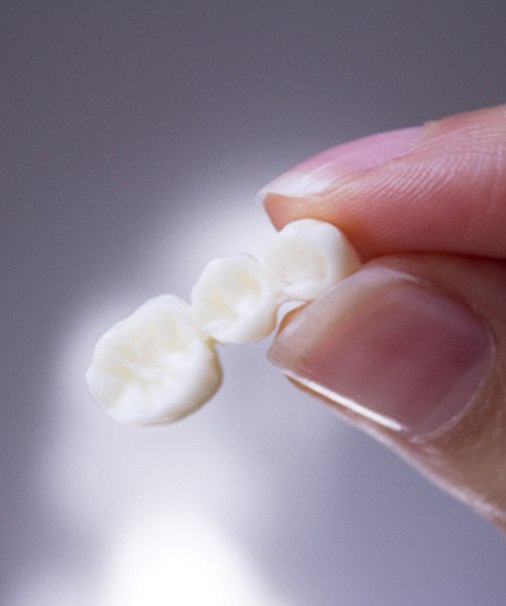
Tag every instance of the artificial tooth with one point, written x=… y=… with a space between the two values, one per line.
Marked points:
x=154 y=366
x=236 y=299
x=308 y=257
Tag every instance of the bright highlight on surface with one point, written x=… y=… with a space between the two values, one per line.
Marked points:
x=181 y=559
x=159 y=364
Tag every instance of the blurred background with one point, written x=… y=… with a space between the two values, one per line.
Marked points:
x=133 y=138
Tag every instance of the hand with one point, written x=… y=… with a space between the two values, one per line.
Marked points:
x=412 y=348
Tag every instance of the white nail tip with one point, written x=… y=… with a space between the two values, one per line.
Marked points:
x=310 y=256
x=296 y=183
x=159 y=364
x=236 y=299
x=154 y=366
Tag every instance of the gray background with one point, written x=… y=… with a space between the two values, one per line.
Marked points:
x=133 y=138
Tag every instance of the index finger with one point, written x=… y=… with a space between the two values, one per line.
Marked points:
x=437 y=188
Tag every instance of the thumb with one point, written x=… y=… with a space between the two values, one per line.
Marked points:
x=412 y=349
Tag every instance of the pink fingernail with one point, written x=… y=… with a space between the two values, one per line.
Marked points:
x=316 y=174
x=391 y=348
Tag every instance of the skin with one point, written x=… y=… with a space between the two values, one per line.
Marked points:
x=437 y=211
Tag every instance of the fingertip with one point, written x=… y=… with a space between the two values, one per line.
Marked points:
x=438 y=188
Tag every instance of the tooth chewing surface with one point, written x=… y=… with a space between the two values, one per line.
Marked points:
x=236 y=299
x=310 y=256
x=154 y=366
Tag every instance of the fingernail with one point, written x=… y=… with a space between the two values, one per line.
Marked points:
x=391 y=348
x=316 y=174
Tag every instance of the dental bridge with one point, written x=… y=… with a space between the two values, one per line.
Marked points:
x=160 y=363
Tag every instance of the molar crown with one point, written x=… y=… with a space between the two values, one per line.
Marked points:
x=236 y=299
x=154 y=366
x=308 y=257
